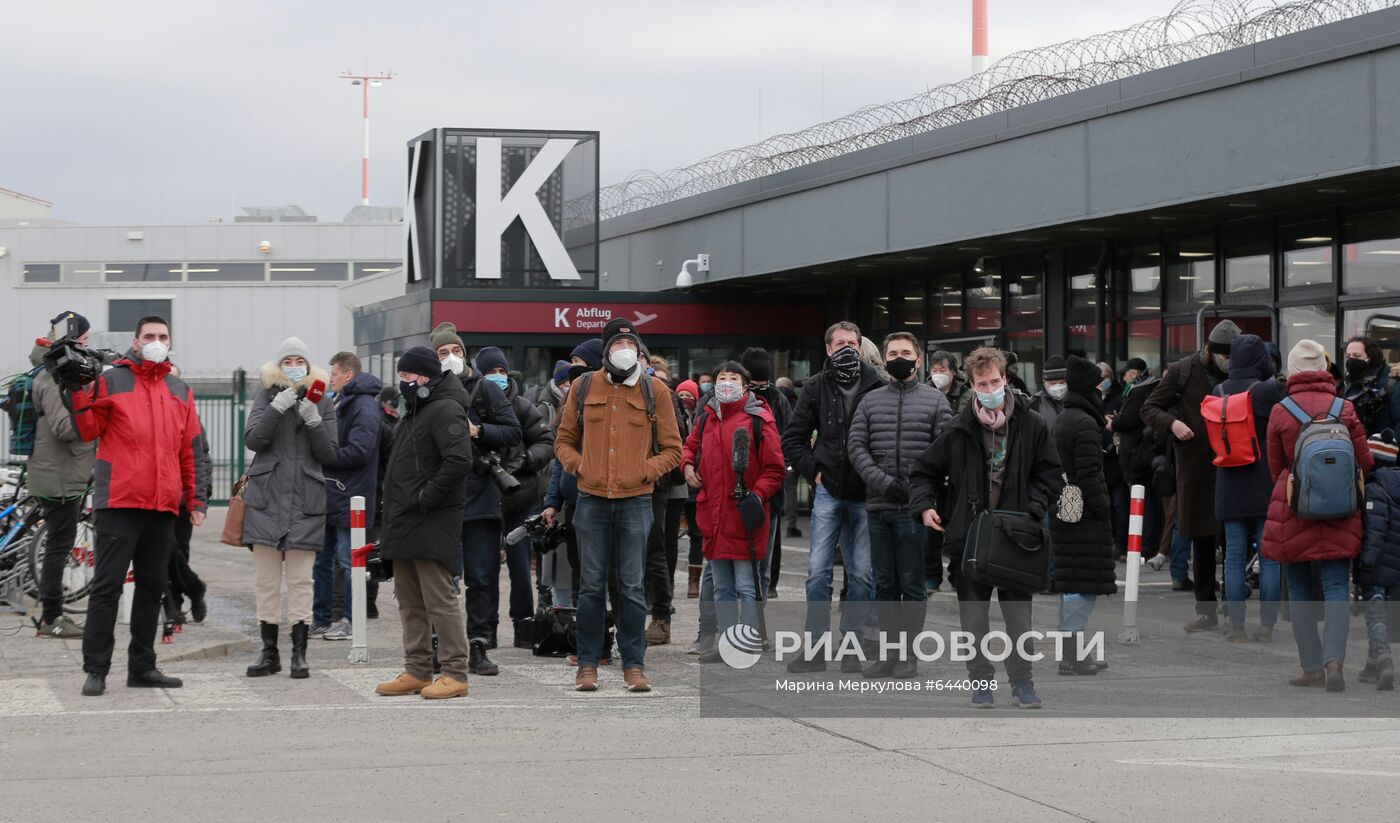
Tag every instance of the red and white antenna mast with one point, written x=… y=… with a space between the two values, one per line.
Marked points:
x=979 y=36
x=364 y=81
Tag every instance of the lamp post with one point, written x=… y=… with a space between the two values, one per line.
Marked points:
x=364 y=81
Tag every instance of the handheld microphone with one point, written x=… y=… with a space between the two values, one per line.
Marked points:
x=315 y=391
x=740 y=460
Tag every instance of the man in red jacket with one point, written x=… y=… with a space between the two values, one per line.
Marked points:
x=147 y=425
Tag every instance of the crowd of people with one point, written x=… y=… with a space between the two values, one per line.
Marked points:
x=1283 y=465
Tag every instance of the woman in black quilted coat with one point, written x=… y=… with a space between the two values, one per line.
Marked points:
x=1084 y=564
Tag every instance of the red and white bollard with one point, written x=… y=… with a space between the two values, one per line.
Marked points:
x=359 y=646
x=128 y=593
x=1129 y=632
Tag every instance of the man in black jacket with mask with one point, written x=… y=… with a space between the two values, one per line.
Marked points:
x=493 y=429
x=827 y=402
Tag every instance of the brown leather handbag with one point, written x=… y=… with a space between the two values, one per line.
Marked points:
x=233 y=524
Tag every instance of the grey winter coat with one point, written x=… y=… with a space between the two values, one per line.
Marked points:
x=286 y=495
x=61 y=466
x=891 y=427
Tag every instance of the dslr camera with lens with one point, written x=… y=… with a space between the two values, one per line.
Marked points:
x=490 y=463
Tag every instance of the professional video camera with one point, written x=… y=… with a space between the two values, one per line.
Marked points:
x=546 y=537
x=490 y=463
x=74 y=366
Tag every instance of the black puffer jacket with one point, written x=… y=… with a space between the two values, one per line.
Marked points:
x=500 y=430
x=1380 y=553
x=528 y=461
x=892 y=426
x=957 y=463
x=425 y=482
x=1244 y=491
x=1137 y=443
x=1084 y=550
x=821 y=408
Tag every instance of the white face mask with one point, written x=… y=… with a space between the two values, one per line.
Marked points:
x=1058 y=390
x=453 y=363
x=155 y=352
x=941 y=381
x=728 y=392
x=623 y=359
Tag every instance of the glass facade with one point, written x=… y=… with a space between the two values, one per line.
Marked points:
x=123 y=315
x=203 y=272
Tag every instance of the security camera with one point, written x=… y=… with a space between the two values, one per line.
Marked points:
x=265 y=247
x=683 y=280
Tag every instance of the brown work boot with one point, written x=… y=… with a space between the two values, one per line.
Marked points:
x=692 y=589
x=1309 y=680
x=445 y=687
x=636 y=680
x=658 y=632
x=587 y=679
x=1202 y=623
x=402 y=685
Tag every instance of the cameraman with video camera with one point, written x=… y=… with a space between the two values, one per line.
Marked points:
x=146 y=419
x=60 y=469
x=493 y=428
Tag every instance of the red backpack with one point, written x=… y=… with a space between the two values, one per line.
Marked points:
x=1230 y=425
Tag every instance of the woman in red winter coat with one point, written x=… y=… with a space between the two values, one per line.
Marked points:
x=1297 y=542
x=734 y=528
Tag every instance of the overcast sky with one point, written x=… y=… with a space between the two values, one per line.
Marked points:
x=166 y=112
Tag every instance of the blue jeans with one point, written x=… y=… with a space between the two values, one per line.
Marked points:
x=897 y=566
x=840 y=522
x=606 y=529
x=1181 y=557
x=331 y=562
x=1336 y=607
x=1075 y=610
x=735 y=594
x=1240 y=535
x=1380 y=607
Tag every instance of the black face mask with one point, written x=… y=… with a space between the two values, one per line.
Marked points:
x=844 y=366
x=1356 y=366
x=901 y=367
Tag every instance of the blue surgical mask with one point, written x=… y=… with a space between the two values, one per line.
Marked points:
x=502 y=382
x=296 y=374
x=992 y=400
x=705 y=388
x=1105 y=385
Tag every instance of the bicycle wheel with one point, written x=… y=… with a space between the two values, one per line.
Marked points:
x=77 y=572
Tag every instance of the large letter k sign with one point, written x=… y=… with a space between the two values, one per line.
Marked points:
x=495 y=213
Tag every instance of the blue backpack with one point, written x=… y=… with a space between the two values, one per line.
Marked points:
x=19 y=404
x=1325 y=483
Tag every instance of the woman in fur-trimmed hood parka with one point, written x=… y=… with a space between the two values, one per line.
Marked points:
x=285 y=523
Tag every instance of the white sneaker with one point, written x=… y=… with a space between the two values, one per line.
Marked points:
x=340 y=630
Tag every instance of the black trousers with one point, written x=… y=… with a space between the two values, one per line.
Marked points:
x=61 y=517
x=974 y=612
x=184 y=583
x=142 y=539
x=481 y=556
x=1203 y=566
x=675 y=509
x=658 y=583
x=933 y=557
x=692 y=533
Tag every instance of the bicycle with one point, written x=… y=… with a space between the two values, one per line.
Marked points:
x=19 y=514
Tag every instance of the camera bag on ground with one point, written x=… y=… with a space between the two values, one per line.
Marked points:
x=552 y=632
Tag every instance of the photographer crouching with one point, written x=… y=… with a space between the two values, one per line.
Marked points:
x=146 y=419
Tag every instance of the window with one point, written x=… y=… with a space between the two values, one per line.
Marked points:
x=1190 y=269
x=911 y=306
x=1307 y=254
x=1307 y=323
x=982 y=289
x=945 y=302
x=1082 y=276
x=880 y=320
x=1024 y=276
x=1381 y=324
x=1247 y=272
x=226 y=272
x=123 y=315
x=307 y=271
x=1141 y=265
x=1144 y=341
x=368 y=269
x=1371 y=254
x=41 y=273
x=143 y=272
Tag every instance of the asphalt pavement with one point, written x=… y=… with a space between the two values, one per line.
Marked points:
x=525 y=746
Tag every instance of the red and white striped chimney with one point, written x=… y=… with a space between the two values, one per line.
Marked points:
x=979 y=36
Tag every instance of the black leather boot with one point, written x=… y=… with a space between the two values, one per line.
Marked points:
x=299 y=633
x=479 y=663
x=269 y=661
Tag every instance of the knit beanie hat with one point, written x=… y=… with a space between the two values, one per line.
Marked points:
x=1135 y=363
x=1221 y=336
x=1055 y=368
x=491 y=358
x=620 y=325
x=59 y=330
x=444 y=334
x=1308 y=355
x=389 y=394
x=561 y=372
x=420 y=360
x=1383 y=447
x=1083 y=376
x=293 y=347
x=590 y=352
x=758 y=362
x=690 y=386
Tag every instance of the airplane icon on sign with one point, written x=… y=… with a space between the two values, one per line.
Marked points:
x=641 y=318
